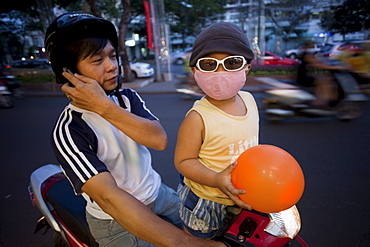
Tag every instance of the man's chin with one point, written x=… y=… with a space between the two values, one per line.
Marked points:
x=110 y=87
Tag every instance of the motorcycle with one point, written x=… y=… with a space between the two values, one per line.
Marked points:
x=286 y=99
x=9 y=88
x=64 y=212
x=15 y=87
x=6 y=97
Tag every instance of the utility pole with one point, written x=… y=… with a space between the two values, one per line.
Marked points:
x=261 y=26
x=161 y=41
x=256 y=27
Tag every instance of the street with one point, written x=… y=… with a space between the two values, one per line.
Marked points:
x=334 y=157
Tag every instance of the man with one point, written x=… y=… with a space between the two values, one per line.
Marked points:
x=101 y=140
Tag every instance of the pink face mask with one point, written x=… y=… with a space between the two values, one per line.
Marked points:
x=220 y=85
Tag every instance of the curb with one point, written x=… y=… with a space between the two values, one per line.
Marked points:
x=142 y=86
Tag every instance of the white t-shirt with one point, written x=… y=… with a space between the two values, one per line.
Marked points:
x=85 y=144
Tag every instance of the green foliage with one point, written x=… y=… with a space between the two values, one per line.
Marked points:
x=65 y=3
x=107 y=8
x=296 y=11
x=13 y=26
x=351 y=16
x=188 y=17
x=21 y=5
x=273 y=70
x=282 y=70
x=33 y=75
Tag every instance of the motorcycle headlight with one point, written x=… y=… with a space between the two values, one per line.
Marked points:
x=286 y=223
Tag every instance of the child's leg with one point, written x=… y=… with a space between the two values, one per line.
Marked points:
x=202 y=218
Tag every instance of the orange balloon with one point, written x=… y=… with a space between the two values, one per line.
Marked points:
x=271 y=177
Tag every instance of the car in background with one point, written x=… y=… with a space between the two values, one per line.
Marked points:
x=140 y=69
x=270 y=58
x=297 y=52
x=42 y=67
x=31 y=68
x=31 y=63
x=179 y=57
x=331 y=52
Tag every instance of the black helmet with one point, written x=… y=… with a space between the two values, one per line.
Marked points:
x=71 y=27
x=80 y=24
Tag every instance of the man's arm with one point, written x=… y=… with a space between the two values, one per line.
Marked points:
x=88 y=94
x=135 y=217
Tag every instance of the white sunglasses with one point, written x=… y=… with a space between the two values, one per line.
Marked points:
x=231 y=63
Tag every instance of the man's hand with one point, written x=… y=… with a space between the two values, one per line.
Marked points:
x=225 y=185
x=86 y=93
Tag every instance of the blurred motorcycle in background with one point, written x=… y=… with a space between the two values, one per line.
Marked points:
x=9 y=89
x=6 y=97
x=287 y=99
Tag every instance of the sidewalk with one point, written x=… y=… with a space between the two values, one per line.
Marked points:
x=164 y=87
x=142 y=86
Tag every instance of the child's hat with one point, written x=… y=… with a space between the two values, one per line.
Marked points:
x=221 y=37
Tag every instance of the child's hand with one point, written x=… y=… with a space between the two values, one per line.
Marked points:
x=225 y=185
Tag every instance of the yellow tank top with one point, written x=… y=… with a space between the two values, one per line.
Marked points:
x=226 y=137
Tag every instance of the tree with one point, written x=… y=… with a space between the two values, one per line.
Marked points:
x=10 y=29
x=188 y=17
x=14 y=25
x=39 y=10
x=351 y=16
x=21 y=5
x=297 y=12
x=108 y=9
x=122 y=31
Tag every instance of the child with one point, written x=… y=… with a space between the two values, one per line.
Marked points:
x=218 y=128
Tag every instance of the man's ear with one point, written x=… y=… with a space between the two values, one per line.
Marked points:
x=192 y=69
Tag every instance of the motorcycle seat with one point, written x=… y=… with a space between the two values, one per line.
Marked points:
x=71 y=209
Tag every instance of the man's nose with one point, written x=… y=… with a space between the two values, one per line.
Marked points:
x=112 y=64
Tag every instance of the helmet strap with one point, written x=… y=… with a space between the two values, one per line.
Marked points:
x=117 y=93
x=119 y=85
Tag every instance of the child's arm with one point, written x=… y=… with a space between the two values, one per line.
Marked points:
x=189 y=140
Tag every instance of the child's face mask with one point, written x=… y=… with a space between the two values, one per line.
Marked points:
x=220 y=85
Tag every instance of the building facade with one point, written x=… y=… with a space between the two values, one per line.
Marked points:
x=277 y=27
